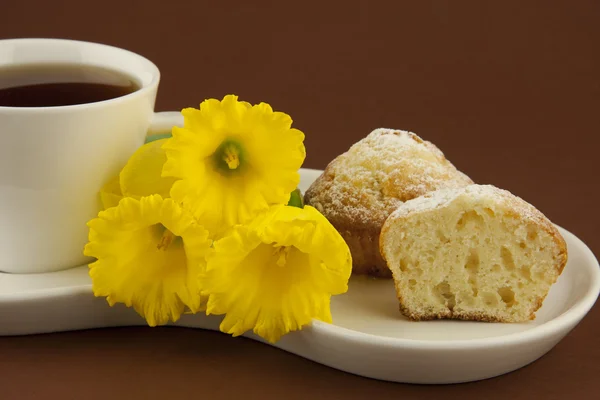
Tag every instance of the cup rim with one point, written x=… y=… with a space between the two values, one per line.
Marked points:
x=142 y=91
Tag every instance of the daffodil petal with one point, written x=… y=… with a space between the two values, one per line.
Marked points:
x=149 y=253
x=110 y=194
x=225 y=194
x=276 y=274
x=142 y=175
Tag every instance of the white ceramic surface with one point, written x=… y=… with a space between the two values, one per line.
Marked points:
x=54 y=159
x=369 y=336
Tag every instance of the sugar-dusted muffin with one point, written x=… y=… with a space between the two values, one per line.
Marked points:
x=360 y=188
x=474 y=253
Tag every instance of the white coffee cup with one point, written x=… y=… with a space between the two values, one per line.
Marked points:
x=54 y=160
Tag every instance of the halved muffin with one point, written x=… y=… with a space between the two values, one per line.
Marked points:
x=474 y=253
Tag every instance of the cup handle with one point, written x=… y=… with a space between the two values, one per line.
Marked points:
x=162 y=123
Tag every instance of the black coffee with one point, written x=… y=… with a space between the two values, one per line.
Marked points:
x=51 y=85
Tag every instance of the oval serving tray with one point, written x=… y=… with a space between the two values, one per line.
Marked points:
x=368 y=337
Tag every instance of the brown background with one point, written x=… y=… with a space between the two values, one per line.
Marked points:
x=508 y=90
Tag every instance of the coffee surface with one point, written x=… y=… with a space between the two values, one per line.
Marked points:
x=52 y=85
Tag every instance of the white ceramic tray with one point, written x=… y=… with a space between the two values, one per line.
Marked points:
x=369 y=336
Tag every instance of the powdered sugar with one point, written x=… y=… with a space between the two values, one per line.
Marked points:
x=429 y=201
x=361 y=187
x=483 y=194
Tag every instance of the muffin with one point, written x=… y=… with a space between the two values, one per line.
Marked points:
x=475 y=253
x=360 y=188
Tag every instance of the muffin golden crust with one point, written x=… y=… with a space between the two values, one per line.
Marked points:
x=363 y=186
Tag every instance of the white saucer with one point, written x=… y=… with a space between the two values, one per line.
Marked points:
x=369 y=336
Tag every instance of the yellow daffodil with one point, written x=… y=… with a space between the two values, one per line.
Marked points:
x=141 y=176
x=277 y=273
x=149 y=253
x=233 y=160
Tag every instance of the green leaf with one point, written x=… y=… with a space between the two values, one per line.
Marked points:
x=296 y=199
x=158 y=136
